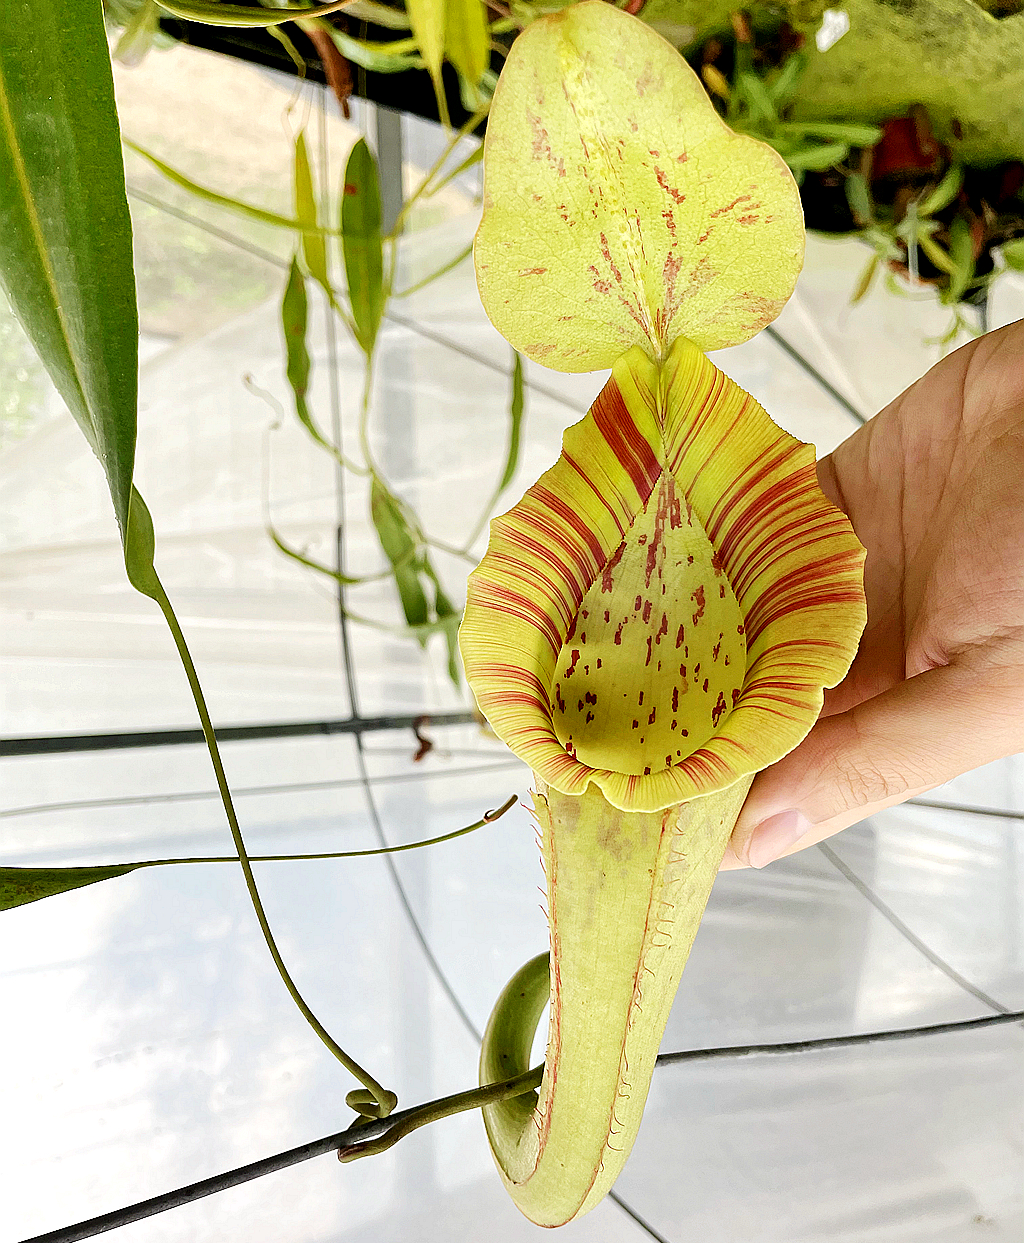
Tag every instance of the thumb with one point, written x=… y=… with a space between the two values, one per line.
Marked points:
x=907 y=740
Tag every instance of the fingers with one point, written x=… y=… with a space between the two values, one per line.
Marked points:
x=919 y=734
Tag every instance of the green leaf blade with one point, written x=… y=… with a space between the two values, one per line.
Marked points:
x=314 y=248
x=427 y=18
x=65 y=233
x=362 y=244
x=211 y=13
x=19 y=886
x=515 y=423
x=294 y=314
x=467 y=41
x=401 y=548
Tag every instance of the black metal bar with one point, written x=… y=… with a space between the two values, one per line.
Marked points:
x=375 y=1129
x=208 y=1186
x=825 y=385
x=55 y=744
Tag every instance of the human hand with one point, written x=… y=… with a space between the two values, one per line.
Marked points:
x=933 y=487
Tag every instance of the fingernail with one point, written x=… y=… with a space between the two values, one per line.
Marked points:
x=775 y=835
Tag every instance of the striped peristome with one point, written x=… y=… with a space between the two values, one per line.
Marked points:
x=677 y=458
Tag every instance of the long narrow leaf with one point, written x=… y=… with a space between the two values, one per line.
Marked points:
x=371 y=56
x=515 y=423
x=294 y=316
x=259 y=214
x=467 y=41
x=401 y=547
x=427 y=18
x=314 y=248
x=65 y=233
x=362 y=244
x=311 y=564
x=446 y=612
x=378 y=14
x=210 y=13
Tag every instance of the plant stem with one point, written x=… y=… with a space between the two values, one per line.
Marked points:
x=488 y=818
x=386 y=1099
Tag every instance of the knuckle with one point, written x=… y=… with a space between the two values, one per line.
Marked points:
x=866 y=783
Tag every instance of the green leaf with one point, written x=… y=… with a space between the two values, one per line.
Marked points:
x=515 y=423
x=815 y=158
x=467 y=41
x=858 y=195
x=293 y=323
x=311 y=564
x=427 y=18
x=65 y=233
x=783 y=87
x=139 y=550
x=762 y=109
x=401 y=547
x=258 y=214
x=378 y=14
x=294 y=312
x=362 y=245
x=369 y=56
x=961 y=254
x=314 y=248
x=446 y=612
x=866 y=277
x=944 y=193
x=1013 y=254
x=210 y=13
x=19 y=886
x=138 y=36
x=854 y=135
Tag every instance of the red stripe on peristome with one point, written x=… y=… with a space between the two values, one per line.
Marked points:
x=778 y=542
x=572 y=519
x=615 y=423
x=585 y=478
x=586 y=569
x=742 y=524
x=504 y=600
x=576 y=581
x=805 y=588
x=698 y=422
x=530 y=575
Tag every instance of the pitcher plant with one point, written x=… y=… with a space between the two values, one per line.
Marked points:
x=656 y=620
